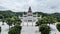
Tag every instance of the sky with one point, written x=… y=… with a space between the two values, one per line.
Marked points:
x=46 y=6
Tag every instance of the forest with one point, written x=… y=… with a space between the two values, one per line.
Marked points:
x=9 y=13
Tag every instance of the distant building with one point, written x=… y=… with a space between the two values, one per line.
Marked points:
x=30 y=17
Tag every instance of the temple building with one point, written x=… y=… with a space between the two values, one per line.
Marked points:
x=30 y=17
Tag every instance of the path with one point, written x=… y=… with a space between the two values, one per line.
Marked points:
x=5 y=28
x=54 y=29
x=29 y=29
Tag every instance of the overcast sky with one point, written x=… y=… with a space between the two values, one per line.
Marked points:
x=47 y=6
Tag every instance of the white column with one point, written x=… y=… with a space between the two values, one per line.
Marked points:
x=32 y=21
x=23 y=23
x=40 y=16
x=23 y=19
x=27 y=22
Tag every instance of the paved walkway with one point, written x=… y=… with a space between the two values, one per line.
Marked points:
x=29 y=29
x=4 y=28
x=54 y=29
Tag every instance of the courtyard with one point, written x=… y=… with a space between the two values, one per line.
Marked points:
x=28 y=29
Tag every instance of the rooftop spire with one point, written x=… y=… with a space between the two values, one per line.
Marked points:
x=29 y=9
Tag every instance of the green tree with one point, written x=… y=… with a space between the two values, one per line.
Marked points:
x=44 y=29
x=15 y=30
x=58 y=27
x=46 y=20
x=9 y=22
x=51 y=20
x=42 y=21
x=16 y=20
x=0 y=29
x=3 y=20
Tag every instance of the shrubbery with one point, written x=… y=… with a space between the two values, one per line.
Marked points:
x=0 y=28
x=15 y=30
x=46 y=20
x=44 y=29
x=58 y=27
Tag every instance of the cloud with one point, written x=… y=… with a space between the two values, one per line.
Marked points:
x=47 y=6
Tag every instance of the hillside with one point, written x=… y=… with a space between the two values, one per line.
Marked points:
x=9 y=13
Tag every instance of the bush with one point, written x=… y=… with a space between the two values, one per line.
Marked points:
x=18 y=27
x=37 y=24
x=58 y=27
x=0 y=29
x=44 y=29
x=15 y=30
